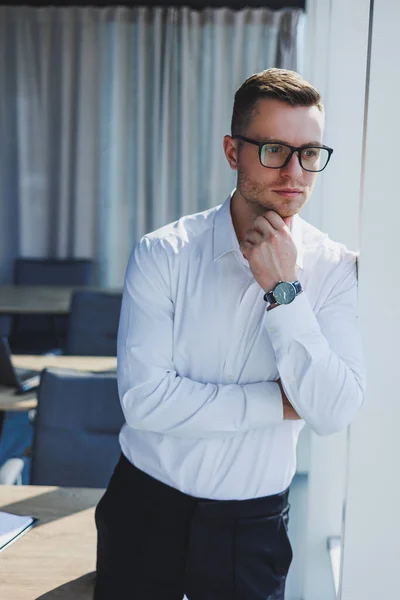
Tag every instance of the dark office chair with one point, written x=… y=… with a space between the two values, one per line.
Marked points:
x=37 y=334
x=5 y=326
x=53 y=271
x=93 y=323
x=78 y=420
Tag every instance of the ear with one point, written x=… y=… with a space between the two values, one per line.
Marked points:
x=231 y=151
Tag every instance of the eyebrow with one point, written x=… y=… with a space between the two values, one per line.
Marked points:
x=275 y=141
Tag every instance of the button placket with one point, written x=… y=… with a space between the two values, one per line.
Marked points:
x=249 y=319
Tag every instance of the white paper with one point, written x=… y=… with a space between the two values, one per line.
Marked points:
x=11 y=526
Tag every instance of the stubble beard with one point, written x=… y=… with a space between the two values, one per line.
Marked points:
x=255 y=196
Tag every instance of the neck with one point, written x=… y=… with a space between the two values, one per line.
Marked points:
x=242 y=215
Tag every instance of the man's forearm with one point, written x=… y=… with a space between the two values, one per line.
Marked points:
x=183 y=407
x=289 y=413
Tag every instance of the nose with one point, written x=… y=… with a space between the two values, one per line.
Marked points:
x=293 y=168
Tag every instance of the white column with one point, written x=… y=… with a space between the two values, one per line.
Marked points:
x=372 y=520
x=336 y=62
x=337 y=43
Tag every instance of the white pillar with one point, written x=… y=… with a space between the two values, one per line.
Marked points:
x=336 y=63
x=371 y=554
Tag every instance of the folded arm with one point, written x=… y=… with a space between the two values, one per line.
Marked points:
x=153 y=395
x=319 y=356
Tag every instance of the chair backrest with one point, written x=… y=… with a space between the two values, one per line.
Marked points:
x=5 y=325
x=52 y=271
x=93 y=323
x=78 y=420
x=37 y=334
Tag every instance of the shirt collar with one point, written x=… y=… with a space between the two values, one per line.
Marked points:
x=225 y=239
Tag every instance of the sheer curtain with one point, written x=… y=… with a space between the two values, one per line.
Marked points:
x=112 y=120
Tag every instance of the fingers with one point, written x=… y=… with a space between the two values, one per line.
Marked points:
x=269 y=223
x=254 y=237
x=274 y=219
x=245 y=247
x=264 y=227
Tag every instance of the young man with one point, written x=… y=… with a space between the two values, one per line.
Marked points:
x=238 y=325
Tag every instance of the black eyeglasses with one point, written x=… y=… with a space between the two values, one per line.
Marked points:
x=275 y=155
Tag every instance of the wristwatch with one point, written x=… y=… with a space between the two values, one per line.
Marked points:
x=284 y=292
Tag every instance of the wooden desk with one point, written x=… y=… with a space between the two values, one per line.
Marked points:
x=55 y=559
x=38 y=299
x=79 y=363
x=11 y=401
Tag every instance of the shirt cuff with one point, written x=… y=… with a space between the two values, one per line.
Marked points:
x=291 y=321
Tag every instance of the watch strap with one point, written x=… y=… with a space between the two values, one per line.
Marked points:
x=297 y=286
x=269 y=297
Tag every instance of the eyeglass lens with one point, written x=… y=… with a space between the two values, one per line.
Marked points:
x=311 y=159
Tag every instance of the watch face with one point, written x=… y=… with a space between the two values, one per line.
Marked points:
x=285 y=292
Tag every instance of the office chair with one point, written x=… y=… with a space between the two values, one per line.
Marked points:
x=77 y=424
x=40 y=333
x=93 y=323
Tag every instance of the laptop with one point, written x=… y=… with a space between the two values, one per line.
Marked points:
x=23 y=380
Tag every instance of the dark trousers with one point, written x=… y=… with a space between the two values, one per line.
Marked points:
x=156 y=543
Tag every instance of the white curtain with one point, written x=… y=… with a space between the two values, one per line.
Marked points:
x=112 y=120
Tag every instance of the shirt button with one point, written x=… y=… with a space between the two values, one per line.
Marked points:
x=230 y=377
x=241 y=330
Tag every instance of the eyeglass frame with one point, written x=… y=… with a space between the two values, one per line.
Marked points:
x=293 y=149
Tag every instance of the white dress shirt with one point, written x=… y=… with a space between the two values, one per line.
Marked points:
x=199 y=356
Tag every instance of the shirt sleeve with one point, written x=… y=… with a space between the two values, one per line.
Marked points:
x=319 y=356
x=154 y=397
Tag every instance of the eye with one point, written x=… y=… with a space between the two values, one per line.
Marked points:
x=311 y=152
x=273 y=149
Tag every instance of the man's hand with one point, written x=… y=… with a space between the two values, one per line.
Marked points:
x=270 y=250
x=289 y=414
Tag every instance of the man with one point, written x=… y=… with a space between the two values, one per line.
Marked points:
x=238 y=325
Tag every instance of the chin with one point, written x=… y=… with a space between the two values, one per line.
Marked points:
x=289 y=208
x=284 y=209
x=288 y=212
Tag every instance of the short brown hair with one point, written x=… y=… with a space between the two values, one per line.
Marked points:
x=279 y=84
